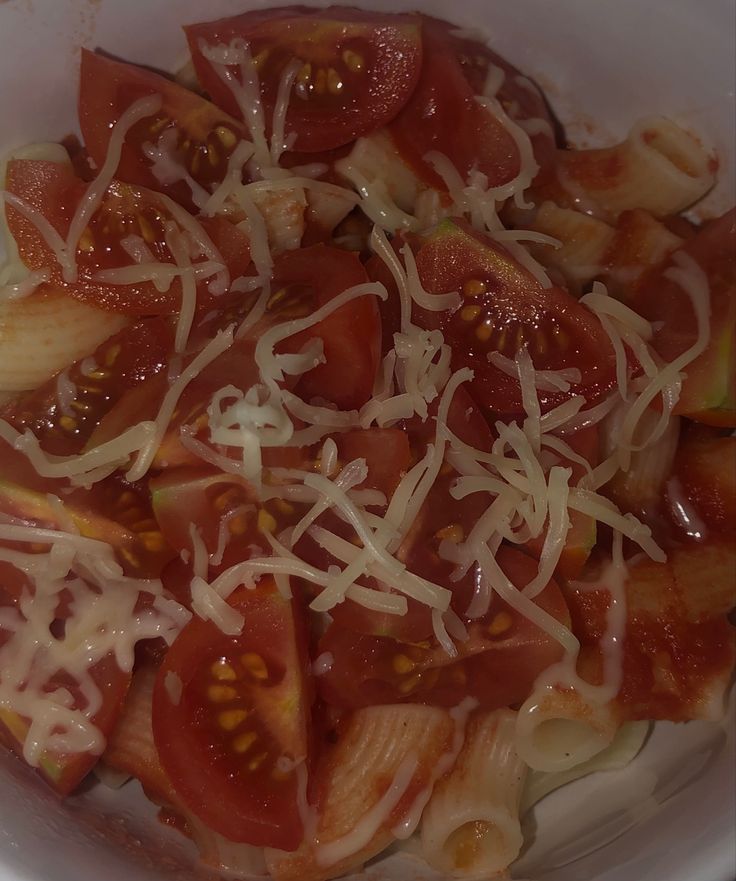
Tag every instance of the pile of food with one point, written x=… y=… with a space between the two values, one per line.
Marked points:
x=366 y=470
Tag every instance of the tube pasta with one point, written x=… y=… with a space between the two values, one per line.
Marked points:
x=625 y=747
x=558 y=729
x=383 y=761
x=470 y=828
x=57 y=329
x=660 y=167
x=585 y=242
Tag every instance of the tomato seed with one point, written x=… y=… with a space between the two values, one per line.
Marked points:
x=484 y=332
x=474 y=287
x=500 y=624
x=255 y=665
x=243 y=742
x=219 y=694
x=353 y=60
x=403 y=664
x=223 y=671
x=230 y=719
x=470 y=313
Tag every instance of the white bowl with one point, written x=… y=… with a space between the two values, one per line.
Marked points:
x=671 y=815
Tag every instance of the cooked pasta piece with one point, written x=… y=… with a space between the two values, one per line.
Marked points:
x=660 y=167
x=57 y=329
x=675 y=609
x=626 y=745
x=383 y=762
x=558 y=729
x=585 y=242
x=470 y=828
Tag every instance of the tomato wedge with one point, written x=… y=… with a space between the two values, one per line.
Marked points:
x=357 y=71
x=506 y=308
x=64 y=423
x=443 y=115
x=500 y=661
x=307 y=279
x=231 y=719
x=53 y=190
x=198 y=135
x=709 y=389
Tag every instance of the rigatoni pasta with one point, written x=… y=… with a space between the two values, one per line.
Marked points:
x=470 y=827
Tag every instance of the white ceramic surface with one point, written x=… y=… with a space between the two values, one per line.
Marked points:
x=671 y=815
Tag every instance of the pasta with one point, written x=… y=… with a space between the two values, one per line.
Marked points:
x=470 y=826
x=365 y=458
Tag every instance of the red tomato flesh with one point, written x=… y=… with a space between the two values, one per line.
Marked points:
x=504 y=308
x=497 y=665
x=357 y=70
x=54 y=191
x=202 y=135
x=233 y=739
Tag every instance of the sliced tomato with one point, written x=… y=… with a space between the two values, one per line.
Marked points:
x=199 y=136
x=232 y=740
x=583 y=531
x=53 y=190
x=709 y=389
x=497 y=665
x=307 y=279
x=386 y=452
x=63 y=425
x=357 y=71
x=504 y=308
x=443 y=114
x=113 y=511
x=441 y=518
x=702 y=487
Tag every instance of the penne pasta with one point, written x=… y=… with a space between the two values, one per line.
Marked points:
x=470 y=828
x=585 y=242
x=382 y=763
x=558 y=729
x=660 y=167
x=626 y=745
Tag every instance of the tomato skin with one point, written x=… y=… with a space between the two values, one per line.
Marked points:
x=709 y=388
x=108 y=88
x=443 y=114
x=351 y=335
x=53 y=190
x=375 y=58
x=128 y=359
x=497 y=666
x=261 y=674
x=510 y=308
x=521 y=100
